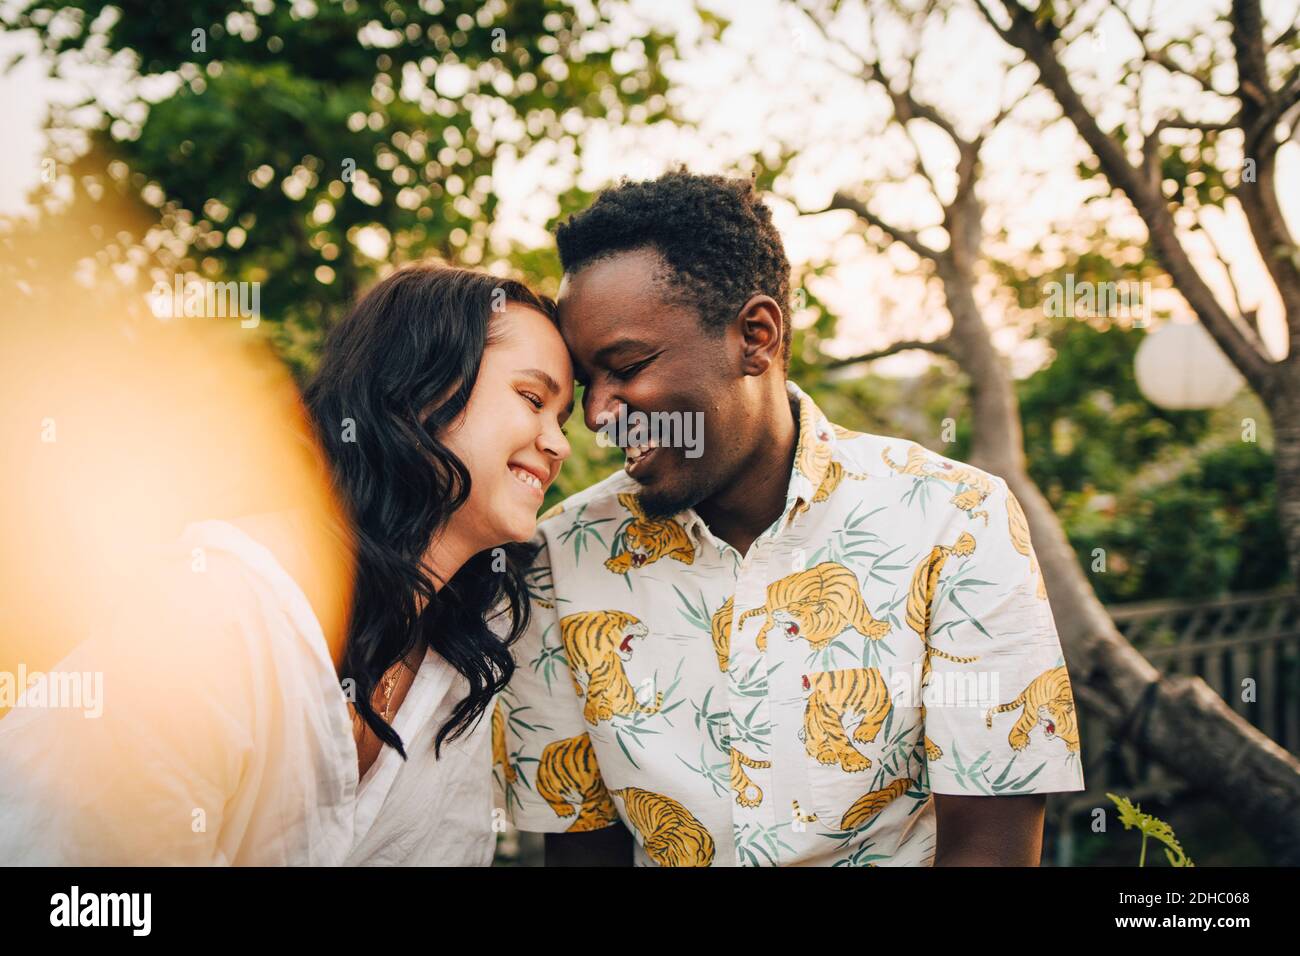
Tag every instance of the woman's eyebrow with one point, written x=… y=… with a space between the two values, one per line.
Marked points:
x=550 y=384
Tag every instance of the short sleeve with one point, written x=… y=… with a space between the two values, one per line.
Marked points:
x=1000 y=716
x=551 y=778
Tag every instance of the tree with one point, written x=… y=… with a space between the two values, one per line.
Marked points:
x=1182 y=165
x=1179 y=505
x=309 y=146
x=1176 y=720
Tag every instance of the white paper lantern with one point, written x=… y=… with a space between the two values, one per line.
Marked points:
x=1179 y=366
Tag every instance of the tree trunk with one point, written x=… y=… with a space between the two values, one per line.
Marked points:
x=1274 y=382
x=1284 y=410
x=1184 y=726
x=1179 y=722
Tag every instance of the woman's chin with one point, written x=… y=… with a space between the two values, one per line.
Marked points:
x=520 y=529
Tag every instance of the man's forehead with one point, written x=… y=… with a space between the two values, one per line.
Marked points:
x=640 y=270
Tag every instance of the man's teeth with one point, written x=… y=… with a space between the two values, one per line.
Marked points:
x=636 y=452
x=527 y=477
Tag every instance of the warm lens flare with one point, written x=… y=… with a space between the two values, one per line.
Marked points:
x=119 y=430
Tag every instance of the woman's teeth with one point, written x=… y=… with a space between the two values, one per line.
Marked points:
x=527 y=477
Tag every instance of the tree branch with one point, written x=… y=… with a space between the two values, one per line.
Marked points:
x=1261 y=108
x=940 y=346
x=906 y=106
x=1250 y=316
x=1277 y=106
x=906 y=236
x=1161 y=56
x=1151 y=144
x=1242 y=348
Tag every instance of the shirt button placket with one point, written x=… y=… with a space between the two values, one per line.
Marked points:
x=751 y=712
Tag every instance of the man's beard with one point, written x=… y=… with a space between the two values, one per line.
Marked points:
x=667 y=502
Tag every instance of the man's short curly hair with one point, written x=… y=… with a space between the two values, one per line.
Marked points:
x=714 y=233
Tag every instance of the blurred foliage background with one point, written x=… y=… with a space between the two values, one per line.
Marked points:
x=311 y=146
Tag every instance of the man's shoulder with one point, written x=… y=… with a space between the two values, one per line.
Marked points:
x=595 y=501
x=891 y=456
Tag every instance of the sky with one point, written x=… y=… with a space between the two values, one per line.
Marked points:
x=774 y=78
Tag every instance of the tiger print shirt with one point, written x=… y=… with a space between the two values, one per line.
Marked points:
x=888 y=638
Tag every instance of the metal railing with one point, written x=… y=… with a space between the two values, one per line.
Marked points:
x=1245 y=646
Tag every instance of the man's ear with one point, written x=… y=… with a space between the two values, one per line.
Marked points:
x=762 y=326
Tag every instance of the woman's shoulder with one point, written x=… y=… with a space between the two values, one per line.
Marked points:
x=283 y=560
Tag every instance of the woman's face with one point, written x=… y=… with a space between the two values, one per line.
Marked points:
x=509 y=435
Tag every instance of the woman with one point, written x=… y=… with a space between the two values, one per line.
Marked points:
x=457 y=472
x=274 y=723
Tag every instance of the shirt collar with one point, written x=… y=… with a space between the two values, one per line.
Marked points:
x=812 y=457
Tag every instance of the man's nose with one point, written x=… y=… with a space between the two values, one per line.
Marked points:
x=599 y=407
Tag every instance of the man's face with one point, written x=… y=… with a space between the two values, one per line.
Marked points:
x=632 y=347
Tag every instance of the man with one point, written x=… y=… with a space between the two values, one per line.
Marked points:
x=787 y=644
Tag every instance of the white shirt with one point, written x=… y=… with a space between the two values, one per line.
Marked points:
x=225 y=738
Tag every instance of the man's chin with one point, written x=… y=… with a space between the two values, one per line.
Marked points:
x=664 y=502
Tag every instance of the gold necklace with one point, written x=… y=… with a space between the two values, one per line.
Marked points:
x=390 y=684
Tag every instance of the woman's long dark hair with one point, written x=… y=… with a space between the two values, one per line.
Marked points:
x=394 y=373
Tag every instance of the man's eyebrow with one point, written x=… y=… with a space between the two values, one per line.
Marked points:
x=550 y=384
x=621 y=345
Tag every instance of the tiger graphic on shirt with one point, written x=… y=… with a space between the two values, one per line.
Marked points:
x=596 y=644
x=801 y=816
x=920 y=464
x=863 y=809
x=870 y=804
x=647 y=540
x=814 y=461
x=729 y=744
x=1018 y=527
x=720 y=627
x=814 y=450
x=567 y=775
x=1048 y=701
x=748 y=793
x=920 y=611
x=500 y=755
x=670 y=834
x=816 y=604
x=834 y=695
x=835 y=473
